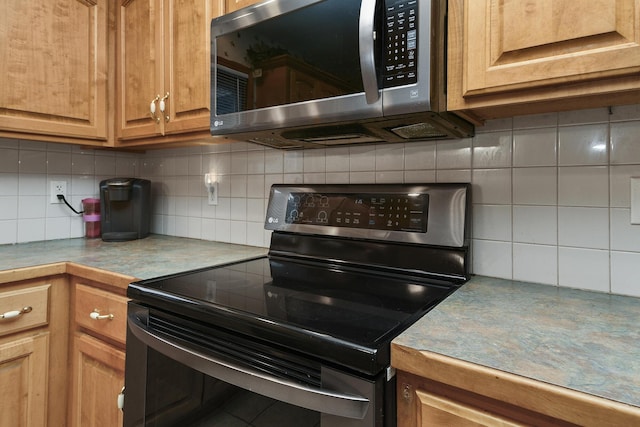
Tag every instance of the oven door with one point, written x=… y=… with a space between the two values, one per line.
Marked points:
x=183 y=373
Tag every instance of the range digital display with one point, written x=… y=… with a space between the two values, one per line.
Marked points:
x=395 y=212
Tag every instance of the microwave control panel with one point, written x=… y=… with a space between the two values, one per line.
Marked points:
x=401 y=43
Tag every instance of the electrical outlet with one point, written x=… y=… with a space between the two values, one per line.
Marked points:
x=57 y=187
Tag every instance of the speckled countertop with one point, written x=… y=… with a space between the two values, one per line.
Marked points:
x=585 y=341
x=153 y=256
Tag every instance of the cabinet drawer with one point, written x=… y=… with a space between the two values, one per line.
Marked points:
x=23 y=309
x=101 y=312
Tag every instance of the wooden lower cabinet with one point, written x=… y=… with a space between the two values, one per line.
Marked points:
x=23 y=381
x=435 y=390
x=33 y=350
x=98 y=331
x=426 y=403
x=98 y=377
x=62 y=346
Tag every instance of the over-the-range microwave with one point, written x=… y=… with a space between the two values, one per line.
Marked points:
x=318 y=73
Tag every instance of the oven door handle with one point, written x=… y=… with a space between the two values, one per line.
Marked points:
x=316 y=399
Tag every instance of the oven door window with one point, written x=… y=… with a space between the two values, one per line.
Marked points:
x=181 y=373
x=179 y=395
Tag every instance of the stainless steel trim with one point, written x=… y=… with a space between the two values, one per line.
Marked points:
x=446 y=217
x=366 y=47
x=418 y=97
x=321 y=400
x=352 y=107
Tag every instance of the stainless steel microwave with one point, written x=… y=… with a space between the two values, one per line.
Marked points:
x=318 y=73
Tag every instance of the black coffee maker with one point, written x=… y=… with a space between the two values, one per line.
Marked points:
x=125 y=208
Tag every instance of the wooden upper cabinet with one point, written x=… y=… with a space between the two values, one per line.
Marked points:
x=233 y=5
x=54 y=69
x=542 y=55
x=164 y=59
x=140 y=66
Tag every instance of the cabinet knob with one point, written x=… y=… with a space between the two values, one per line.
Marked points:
x=15 y=313
x=95 y=315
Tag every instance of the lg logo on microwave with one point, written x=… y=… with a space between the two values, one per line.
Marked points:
x=218 y=123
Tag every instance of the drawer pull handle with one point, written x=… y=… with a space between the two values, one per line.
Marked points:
x=95 y=315
x=15 y=313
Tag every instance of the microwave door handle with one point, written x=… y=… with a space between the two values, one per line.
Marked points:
x=316 y=399
x=367 y=36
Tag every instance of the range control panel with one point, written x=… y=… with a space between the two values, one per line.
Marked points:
x=401 y=43
x=397 y=212
x=433 y=213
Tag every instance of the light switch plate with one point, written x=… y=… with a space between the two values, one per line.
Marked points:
x=213 y=193
x=635 y=200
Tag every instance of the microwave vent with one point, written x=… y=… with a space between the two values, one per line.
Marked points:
x=280 y=143
x=418 y=130
x=354 y=138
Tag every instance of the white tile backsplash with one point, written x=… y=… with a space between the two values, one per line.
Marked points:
x=583 y=186
x=535 y=186
x=583 y=227
x=584 y=268
x=535 y=263
x=625 y=143
x=492 y=222
x=535 y=224
x=535 y=147
x=624 y=273
x=550 y=191
x=583 y=145
x=492 y=150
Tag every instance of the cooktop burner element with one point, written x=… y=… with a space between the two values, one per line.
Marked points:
x=349 y=268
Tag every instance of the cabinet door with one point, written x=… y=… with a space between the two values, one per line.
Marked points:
x=54 y=68
x=542 y=42
x=187 y=67
x=163 y=53
x=141 y=61
x=440 y=411
x=101 y=313
x=98 y=377
x=23 y=381
x=233 y=5
x=510 y=57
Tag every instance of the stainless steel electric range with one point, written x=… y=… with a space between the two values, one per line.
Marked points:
x=302 y=336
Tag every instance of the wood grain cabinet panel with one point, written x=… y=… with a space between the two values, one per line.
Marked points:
x=23 y=381
x=109 y=312
x=513 y=44
x=30 y=307
x=98 y=335
x=33 y=351
x=436 y=390
x=54 y=69
x=439 y=411
x=233 y=5
x=164 y=60
x=98 y=379
x=511 y=57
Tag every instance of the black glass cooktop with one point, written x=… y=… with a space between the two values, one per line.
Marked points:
x=338 y=314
